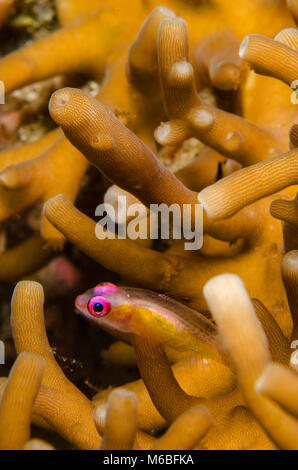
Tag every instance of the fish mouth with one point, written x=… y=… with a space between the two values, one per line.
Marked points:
x=77 y=311
x=80 y=303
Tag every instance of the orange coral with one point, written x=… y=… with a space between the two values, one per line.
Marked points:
x=231 y=308
x=59 y=402
x=120 y=421
x=217 y=61
x=122 y=434
x=17 y=401
x=266 y=56
x=280 y=385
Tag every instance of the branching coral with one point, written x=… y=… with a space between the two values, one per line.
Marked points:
x=217 y=61
x=121 y=409
x=25 y=183
x=280 y=385
x=267 y=56
x=17 y=401
x=228 y=408
x=249 y=351
x=183 y=434
x=124 y=101
x=175 y=75
x=211 y=378
x=25 y=179
x=179 y=84
x=289 y=271
x=59 y=52
x=294 y=136
x=55 y=390
x=59 y=403
x=229 y=134
x=151 y=269
x=26 y=257
x=235 y=427
x=287 y=211
x=129 y=174
x=91 y=53
x=99 y=135
x=187 y=431
x=279 y=172
x=250 y=184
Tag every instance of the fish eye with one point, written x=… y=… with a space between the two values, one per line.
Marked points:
x=99 y=306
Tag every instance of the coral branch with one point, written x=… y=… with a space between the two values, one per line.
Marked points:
x=121 y=433
x=100 y=136
x=289 y=270
x=15 y=155
x=281 y=385
x=278 y=343
x=59 y=52
x=269 y=57
x=248 y=348
x=16 y=405
x=177 y=81
x=61 y=404
x=120 y=421
x=23 y=259
x=294 y=136
x=23 y=183
x=142 y=61
x=123 y=256
x=186 y=431
x=176 y=73
x=217 y=61
x=287 y=211
x=160 y=381
x=227 y=196
x=288 y=36
x=232 y=135
x=197 y=377
x=229 y=134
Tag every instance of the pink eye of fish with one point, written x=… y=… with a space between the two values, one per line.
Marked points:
x=98 y=306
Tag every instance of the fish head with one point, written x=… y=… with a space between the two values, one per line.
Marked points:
x=107 y=305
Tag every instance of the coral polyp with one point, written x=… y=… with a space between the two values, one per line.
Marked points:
x=131 y=112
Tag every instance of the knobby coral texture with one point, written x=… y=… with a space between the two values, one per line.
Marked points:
x=188 y=103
